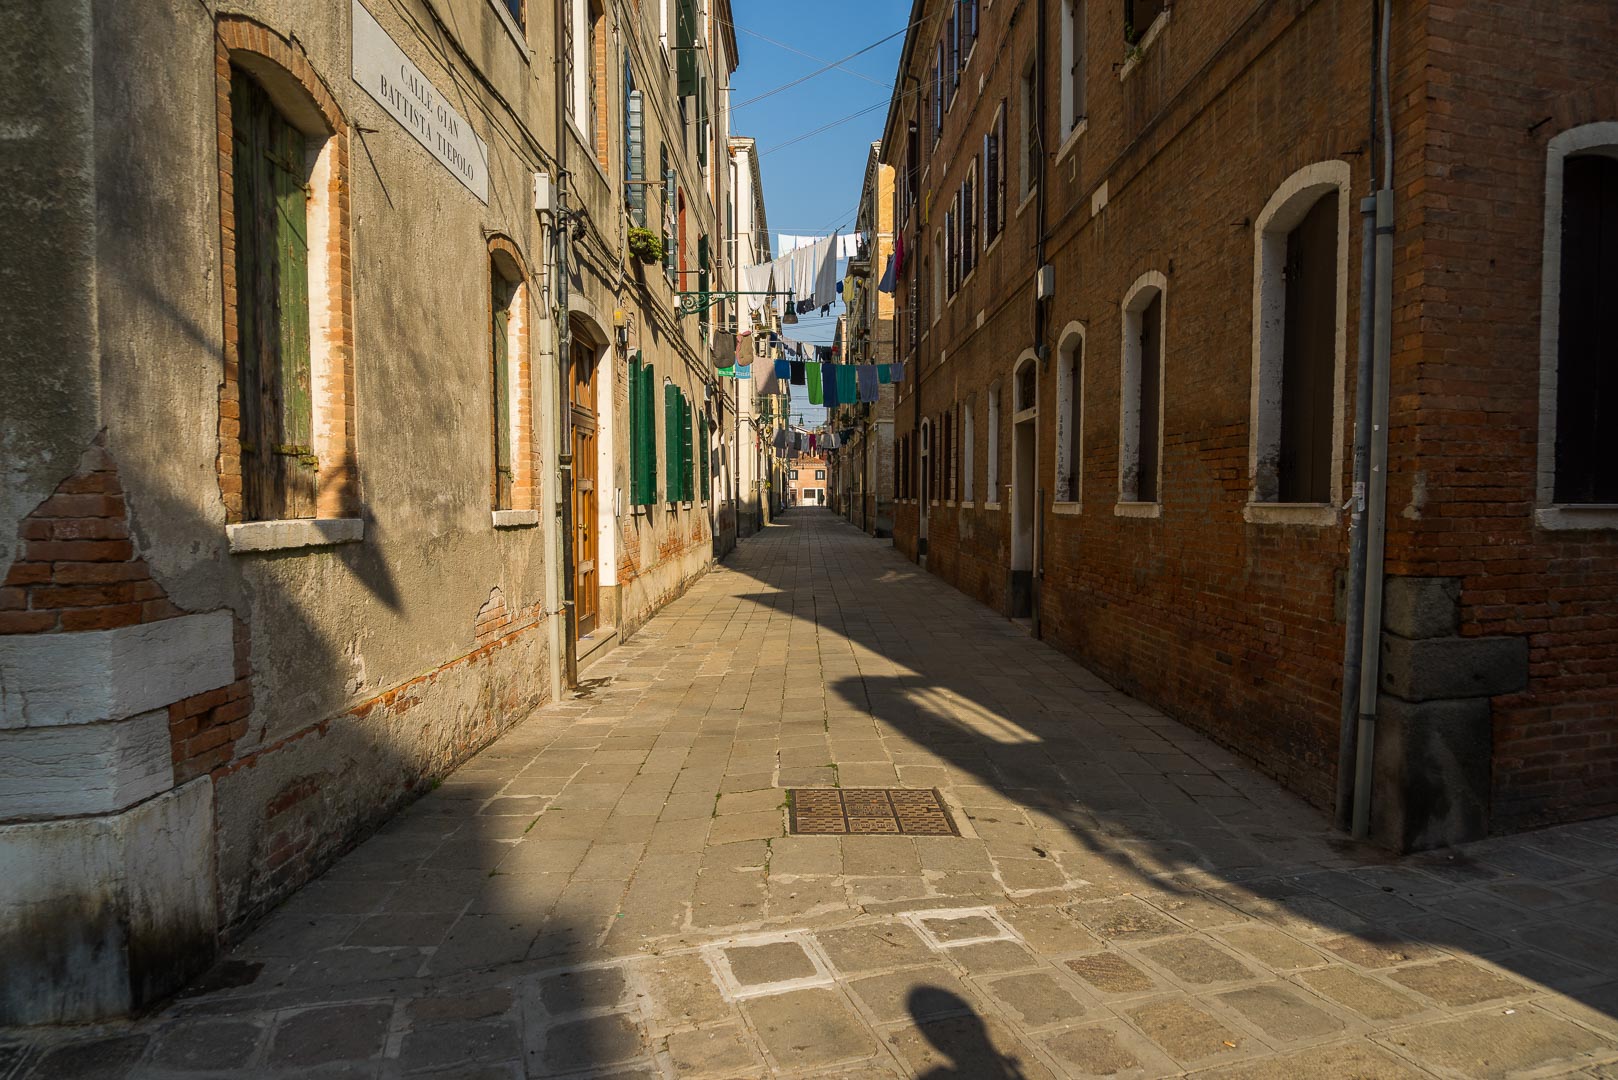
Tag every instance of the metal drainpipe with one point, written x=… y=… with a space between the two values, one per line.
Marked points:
x=1354 y=591
x=564 y=358
x=1376 y=521
x=1039 y=326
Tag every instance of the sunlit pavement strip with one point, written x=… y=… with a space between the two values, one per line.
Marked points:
x=608 y=890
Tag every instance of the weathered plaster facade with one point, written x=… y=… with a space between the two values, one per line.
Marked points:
x=200 y=710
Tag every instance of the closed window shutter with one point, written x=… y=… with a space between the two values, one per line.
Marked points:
x=671 y=442
x=685 y=449
x=648 y=409
x=685 y=46
x=707 y=475
x=498 y=331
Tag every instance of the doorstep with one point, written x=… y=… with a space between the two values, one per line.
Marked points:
x=596 y=645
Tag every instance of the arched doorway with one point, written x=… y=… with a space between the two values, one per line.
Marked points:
x=585 y=421
x=1024 y=494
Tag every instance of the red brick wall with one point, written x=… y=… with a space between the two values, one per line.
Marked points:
x=1518 y=74
x=1231 y=625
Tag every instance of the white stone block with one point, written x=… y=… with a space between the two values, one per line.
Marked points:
x=75 y=769
x=101 y=915
x=96 y=675
x=293 y=533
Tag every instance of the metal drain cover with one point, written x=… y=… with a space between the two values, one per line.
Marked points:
x=868 y=811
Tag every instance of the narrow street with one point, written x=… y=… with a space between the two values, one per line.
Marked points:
x=608 y=890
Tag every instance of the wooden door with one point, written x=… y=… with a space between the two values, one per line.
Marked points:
x=586 y=573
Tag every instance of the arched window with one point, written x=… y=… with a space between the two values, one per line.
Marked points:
x=286 y=439
x=511 y=388
x=1069 y=412
x=1300 y=315
x=1578 y=406
x=1141 y=391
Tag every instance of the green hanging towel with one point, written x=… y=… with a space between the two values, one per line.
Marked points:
x=812 y=370
x=846 y=390
x=884 y=374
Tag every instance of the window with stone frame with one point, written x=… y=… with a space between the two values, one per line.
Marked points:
x=1140 y=449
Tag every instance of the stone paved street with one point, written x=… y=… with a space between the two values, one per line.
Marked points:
x=607 y=890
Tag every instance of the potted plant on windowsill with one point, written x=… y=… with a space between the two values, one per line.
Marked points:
x=645 y=245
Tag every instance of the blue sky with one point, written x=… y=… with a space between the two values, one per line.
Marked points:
x=812 y=186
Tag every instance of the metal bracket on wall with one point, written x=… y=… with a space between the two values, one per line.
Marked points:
x=693 y=302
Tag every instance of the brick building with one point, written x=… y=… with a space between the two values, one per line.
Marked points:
x=806 y=480
x=863 y=466
x=1131 y=307
x=324 y=336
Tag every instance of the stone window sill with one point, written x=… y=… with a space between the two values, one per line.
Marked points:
x=514 y=519
x=1072 y=138
x=293 y=533
x=1066 y=509
x=1592 y=516
x=991 y=506
x=1319 y=515
x=1138 y=509
x=1146 y=39
x=968 y=504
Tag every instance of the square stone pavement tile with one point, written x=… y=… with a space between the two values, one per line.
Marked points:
x=1283 y=1013
x=681 y=991
x=993 y=957
x=806 y=855
x=205 y=1044
x=578 y=991
x=735 y=828
x=335 y=1033
x=1125 y=918
x=744 y=802
x=777 y=961
x=916 y=994
x=1108 y=973
x=1362 y=994
x=806 y=1029
x=594 y=1042
x=1372 y=951
x=1495 y=1044
x=455 y=1043
x=1196 y=962
x=872 y=947
x=94 y=1059
x=1050 y=930
x=712 y=1051
x=1356 y=1060
x=1273 y=949
x=1456 y=982
x=1038 y=999
x=964 y=1046
x=1188 y=1034
x=1108 y=1050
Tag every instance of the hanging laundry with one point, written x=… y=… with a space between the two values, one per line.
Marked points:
x=868 y=386
x=783 y=369
x=798 y=376
x=780 y=440
x=823 y=353
x=765 y=381
x=884 y=374
x=813 y=439
x=897 y=371
x=847 y=392
x=812 y=372
x=886 y=284
x=826 y=272
x=899 y=253
x=724 y=349
x=829 y=378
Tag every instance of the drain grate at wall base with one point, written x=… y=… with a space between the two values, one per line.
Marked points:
x=868 y=811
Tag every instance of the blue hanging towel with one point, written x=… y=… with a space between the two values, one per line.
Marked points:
x=886 y=284
x=868 y=386
x=783 y=370
x=832 y=389
x=897 y=371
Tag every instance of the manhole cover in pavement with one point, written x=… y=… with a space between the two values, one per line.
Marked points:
x=868 y=811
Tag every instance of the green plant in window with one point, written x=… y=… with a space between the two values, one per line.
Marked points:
x=645 y=245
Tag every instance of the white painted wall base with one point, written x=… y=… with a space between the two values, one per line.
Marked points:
x=101 y=915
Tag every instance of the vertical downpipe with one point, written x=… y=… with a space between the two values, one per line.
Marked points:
x=1376 y=529
x=1354 y=587
x=564 y=361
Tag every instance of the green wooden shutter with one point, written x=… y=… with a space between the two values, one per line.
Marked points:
x=703 y=316
x=637 y=456
x=499 y=299
x=671 y=442
x=707 y=471
x=272 y=287
x=702 y=121
x=686 y=464
x=685 y=46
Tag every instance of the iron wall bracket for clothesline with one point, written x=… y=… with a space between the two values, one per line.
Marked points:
x=693 y=302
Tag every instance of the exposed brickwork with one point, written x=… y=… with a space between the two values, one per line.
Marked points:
x=205 y=728
x=1229 y=624
x=76 y=567
x=332 y=324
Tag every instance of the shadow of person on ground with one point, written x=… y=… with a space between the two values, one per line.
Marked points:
x=961 y=1036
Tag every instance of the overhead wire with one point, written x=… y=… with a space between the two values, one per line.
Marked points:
x=829 y=66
